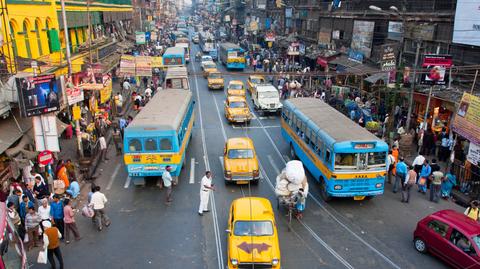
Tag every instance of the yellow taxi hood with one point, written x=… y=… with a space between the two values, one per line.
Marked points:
x=243 y=111
x=241 y=165
x=256 y=249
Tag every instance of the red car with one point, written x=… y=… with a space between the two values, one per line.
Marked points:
x=451 y=236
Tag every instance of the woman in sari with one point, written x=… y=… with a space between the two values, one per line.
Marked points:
x=448 y=183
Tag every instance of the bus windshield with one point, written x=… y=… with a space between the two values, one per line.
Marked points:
x=360 y=161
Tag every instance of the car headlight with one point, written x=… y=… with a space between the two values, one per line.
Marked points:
x=337 y=187
x=275 y=261
x=234 y=262
x=378 y=185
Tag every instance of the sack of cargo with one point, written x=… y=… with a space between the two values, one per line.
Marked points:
x=294 y=172
x=292 y=187
x=282 y=192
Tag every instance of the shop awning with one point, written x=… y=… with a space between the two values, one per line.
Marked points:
x=376 y=77
x=354 y=67
x=11 y=132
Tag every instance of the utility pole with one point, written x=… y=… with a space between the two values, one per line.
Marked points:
x=89 y=32
x=69 y=62
x=412 y=87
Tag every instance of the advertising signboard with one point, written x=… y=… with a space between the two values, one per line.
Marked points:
x=395 y=30
x=474 y=154
x=38 y=95
x=270 y=36
x=436 y=66
x=466 y=27
x=362 y=37
x=143 y=66
x=72 y=90
x=467 y=119
x=127 y=65
x=140 y=38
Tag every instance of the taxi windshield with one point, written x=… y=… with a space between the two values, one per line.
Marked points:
x=258 y=80
x=240 y=154
x=235 y=87
x=253 y=228
x=238 y=105
x=215 y=75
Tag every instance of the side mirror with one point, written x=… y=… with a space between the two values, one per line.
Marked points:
x=228 y=231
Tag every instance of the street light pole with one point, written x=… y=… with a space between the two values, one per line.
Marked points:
x=69 y=62
x=412 y=87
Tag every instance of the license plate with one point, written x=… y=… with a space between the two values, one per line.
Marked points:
x=358 y=198
x=242 y=182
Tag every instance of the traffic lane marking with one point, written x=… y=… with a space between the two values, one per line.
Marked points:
x=127 y=182
x=192 y=171
x=113 y=177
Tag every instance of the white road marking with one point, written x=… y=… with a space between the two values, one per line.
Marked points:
x=192 y=171
x=113 y=177
x=285 y=158
x=221 y=161
x=127 y=182
x=272 y=163
x=238 y=126
x=328 y=211
x=216 y=230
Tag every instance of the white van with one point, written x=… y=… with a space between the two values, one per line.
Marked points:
x=265 y=98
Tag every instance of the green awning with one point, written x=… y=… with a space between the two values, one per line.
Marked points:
x=79 y=18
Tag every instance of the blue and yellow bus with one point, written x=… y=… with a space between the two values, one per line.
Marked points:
x=174 y=56
x=232 y=56
x=346 y=159
x=159 y=135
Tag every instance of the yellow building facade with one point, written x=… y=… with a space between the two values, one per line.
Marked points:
x=33 y=29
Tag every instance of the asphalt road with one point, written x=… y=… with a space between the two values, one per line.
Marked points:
x=146 y=233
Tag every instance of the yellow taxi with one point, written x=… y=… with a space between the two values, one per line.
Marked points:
x=236 y=87
x=253 y=81
x=252 y=239
x=240 y=163
x=208 y=67
x=236 y=109
x=215 y=80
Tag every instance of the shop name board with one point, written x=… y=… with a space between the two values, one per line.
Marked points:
x=467 y=119
x=388 y=62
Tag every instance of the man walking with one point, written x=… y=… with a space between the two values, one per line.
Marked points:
x=167 y=183
x=436 y=185
x=410 y=180
x=205 y=188
x=98 y=201
x=69 y=219
x=401 y=173
x=51 y=238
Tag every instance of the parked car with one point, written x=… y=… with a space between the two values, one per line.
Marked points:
x=252 y=240
x=451 y=236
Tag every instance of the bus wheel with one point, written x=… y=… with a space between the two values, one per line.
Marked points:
x=292 y=152
x=323 y=191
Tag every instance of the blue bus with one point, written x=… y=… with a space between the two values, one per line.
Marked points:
x=346 y=159
x=174 y=56
x=232 y=56
x=159 y=135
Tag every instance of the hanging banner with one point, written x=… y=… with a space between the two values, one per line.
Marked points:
x=38 y=95
x=140 y=38
x=388 y=62
x=76 y=112
x=362 y=37
x=467 y=119
x=436 y=66
x=127 y=65
x=143 y=66
x=157 y=62
x=106 y=92
x=72 y=90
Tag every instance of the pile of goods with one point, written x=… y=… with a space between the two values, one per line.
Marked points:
x=291 y=179
x=373 y=126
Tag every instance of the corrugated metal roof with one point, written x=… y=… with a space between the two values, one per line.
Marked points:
x=331 y=121
x=10 y=132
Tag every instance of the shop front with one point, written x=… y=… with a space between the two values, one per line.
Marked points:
x=440 y=111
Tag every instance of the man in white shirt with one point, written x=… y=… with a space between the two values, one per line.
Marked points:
x=390 y=165
x=205 y=187
x=98 y=201
x=418 y=163
x=126 y=86
x=103 y=148
x=167 y=183
x=148 y=93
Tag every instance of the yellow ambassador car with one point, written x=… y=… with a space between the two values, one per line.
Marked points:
x=208 y=67
x=236 y=88
x=253 y=81
x=236 y=109
x=252 y=234
x=215 y=80
x=240 y=161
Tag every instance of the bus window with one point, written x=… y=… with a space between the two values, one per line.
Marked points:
x=150 y=144
x=307 y=135
x=346 y=160
x=377 y=159
x=327 y=156
x=134 y=145
x=166 y=144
